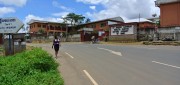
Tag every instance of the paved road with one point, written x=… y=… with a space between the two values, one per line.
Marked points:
x=87 y=64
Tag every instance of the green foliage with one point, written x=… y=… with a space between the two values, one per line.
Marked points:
x=74 y=19
x=88 y=20
x=41 y=31
x=34 y=67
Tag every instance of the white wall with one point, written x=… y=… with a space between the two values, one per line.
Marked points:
x=119 y=30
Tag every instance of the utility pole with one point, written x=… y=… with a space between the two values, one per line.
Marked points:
x=66 y=32
x=138 y=28
x=139 y=17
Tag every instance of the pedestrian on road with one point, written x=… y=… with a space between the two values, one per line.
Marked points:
x=56 y=45
x=93 y=39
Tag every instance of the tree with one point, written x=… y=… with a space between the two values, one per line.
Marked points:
x=78 y=19
x=70 y=18
x=75 y=20
x=41 y=31
x=65 y=22
x=154 y=15
x=88 y=20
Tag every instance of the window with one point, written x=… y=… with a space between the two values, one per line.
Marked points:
x=86 y=26
x=103 y=24
x=44 y=26
x=39 y=25
x=93 y=26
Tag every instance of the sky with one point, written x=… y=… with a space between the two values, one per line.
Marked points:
x=54 y=10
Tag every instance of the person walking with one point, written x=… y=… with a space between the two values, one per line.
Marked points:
x=56 y=45
x=93 y=39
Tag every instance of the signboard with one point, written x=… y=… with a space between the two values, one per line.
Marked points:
x=119 y=30
x=10 y=25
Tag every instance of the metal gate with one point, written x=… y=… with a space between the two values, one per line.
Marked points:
x=178 y=36
x=88 y=35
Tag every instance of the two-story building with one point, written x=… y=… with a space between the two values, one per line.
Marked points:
x=169 y=18
x=46 y=27
x=99 y=28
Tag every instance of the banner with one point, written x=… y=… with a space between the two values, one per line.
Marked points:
x=120 y=30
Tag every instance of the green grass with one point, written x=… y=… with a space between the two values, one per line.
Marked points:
x=33 y=67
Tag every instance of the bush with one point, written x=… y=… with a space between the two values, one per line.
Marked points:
x=34 y=67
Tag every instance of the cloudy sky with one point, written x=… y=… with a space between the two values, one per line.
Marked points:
x=54 y=10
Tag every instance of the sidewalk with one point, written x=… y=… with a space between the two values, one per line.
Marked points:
x=70 y=73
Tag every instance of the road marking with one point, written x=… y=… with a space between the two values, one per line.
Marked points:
x=166 y=64
x=114 y=52
x=105 y=49
x=117 y=53
x=89 y=76
x=69 y=55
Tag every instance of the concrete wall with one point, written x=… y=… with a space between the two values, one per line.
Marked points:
x=126 y=37
x=171 y=32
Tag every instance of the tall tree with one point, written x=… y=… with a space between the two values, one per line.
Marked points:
x=78 y=19
x=70 y=17
x=74 y=19
x=88 y=20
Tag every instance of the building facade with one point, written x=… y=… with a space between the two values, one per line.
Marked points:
x=99 y=29
x=169 y=19
x=47 y=28
x=133 y=30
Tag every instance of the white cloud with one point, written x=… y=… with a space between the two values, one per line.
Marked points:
x=128 y=9
x=93 y=1
x=60 y=14
x=51 y=19
x=58 y=5
x=19 y=3
x=6 y=10
x=92 y=7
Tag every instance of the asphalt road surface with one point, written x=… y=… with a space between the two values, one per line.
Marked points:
x=96 y=64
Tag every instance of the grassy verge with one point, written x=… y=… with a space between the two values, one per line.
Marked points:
x=33 y=67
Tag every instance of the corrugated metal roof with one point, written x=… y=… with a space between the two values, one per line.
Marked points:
x=138 y=20
x=158 y=2
x=112 y=19
x=41 y=21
